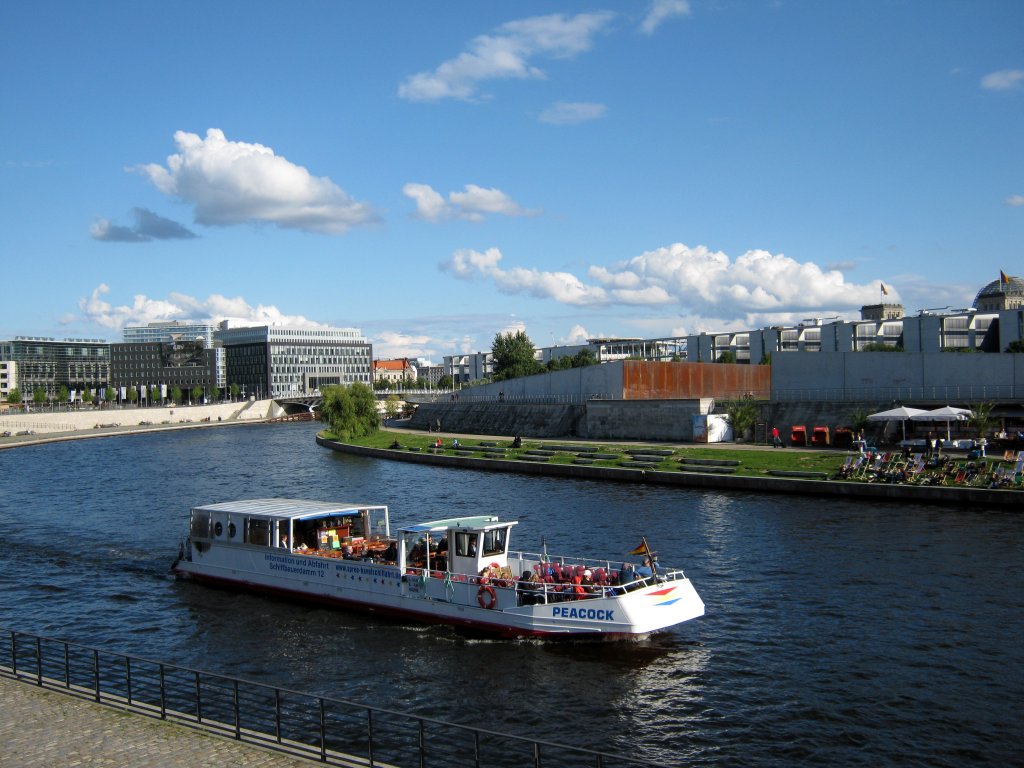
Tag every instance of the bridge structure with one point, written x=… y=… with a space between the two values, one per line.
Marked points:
x=310 y=403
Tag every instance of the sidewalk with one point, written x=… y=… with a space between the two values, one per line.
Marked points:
x=46 y=729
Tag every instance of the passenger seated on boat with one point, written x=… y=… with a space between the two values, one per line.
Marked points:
x=284 y=542
x=348 y=553
x=527 y=588
x=645 y=571
x=391 y=553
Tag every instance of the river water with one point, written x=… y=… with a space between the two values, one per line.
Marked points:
x=837 y=632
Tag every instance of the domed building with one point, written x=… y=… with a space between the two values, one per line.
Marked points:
x=1004 y=293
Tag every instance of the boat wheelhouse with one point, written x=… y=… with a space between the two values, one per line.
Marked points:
x=458 y=571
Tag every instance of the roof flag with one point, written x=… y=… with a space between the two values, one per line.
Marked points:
x=1003 y=278
x=882 y=286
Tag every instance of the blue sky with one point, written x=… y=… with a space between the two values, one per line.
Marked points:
x=438 y=172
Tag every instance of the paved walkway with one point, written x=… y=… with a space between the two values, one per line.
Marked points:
x=47 y=729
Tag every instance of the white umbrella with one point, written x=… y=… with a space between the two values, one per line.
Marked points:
x=900 y=414
x=946 y=413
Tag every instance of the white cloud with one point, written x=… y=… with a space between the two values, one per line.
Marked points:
x=388 y=345
x=757 y=285
x=1015 y=200
x=576 y=335
x=572 y=112
x=179 y=306
x=662 y=10
x=1003 y=80
x=560 y=286
x=233 y=182
x=471 y=205
x=506 y=54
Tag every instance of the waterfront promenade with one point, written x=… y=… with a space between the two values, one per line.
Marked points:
x=40 y=728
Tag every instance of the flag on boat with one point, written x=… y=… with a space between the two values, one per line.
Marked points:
x=1003 y=278
x=882 y=286
x=643 y=549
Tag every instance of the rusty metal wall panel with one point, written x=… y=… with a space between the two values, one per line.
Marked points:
x=643 y=380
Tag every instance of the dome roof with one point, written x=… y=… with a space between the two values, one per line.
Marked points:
x=1014 y=286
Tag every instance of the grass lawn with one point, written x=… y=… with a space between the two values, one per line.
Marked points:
x=753 y=461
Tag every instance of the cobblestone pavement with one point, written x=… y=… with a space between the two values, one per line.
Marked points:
x=47 y=729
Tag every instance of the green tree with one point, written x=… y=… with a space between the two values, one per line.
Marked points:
x=215 y=394
x=235 y=391
x=382 y=385
x=675 y=358
x=1015 y=346
x=109 y=394
x=176 y=394
x=981 y=420
x=766 y=359
x=154 y=395
x=87 y=396
x=881 y=346
x=445 y=382
x=727 y=356
x=512 y=355
x=133 y=395
x=583 y=358
x=859 y=419
x=63 y=394
x=14 y=396
x=742 y=414
x=197 y=395
x=559 y=363
x=391 y=406
x=350 y=411
x=39 y=396
x=422 y=383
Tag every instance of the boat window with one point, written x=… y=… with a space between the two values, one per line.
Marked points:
x=232 y=530
x=257 y=532
x=200 y=527
x=218 y=528
x=465 y=544
x=494 y=542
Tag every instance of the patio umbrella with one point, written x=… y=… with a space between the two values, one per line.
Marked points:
x=900 y=414
x=946 y=413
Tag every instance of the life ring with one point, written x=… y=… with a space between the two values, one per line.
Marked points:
x=492 y=597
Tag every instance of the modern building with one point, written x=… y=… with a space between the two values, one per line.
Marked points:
x=8 y=378
x=276 y=361
x=183 y=364
x=48 y=364
x=169 y=331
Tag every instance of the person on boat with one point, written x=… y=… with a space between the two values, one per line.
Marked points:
x=645 y=571
x=284 y=542
x=390 y=554
x=348 y=553
x=527 y=587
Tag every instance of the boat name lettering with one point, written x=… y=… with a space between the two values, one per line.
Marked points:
x=598 y=614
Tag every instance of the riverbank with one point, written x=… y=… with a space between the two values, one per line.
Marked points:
x=21 y=429
x=664 y=465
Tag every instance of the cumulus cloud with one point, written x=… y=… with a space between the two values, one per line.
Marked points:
x=662 y=10
x=148 y=226
x=177 y=306
x=506 y=53
x=560 y=286
x=756 y=284
x=472 y=204
x=1015 y=200
x=233 y=182
x=576 y=335
x=1003 y=80
x=572 y=112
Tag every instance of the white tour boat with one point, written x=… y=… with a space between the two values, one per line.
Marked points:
x=458 y=571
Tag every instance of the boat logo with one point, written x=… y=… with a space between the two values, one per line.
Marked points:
x=664 y=593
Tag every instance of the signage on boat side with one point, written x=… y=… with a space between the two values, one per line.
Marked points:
x=304 y=567
x=366 y=570
x=595 y=614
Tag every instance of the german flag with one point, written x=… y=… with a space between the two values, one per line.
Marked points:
x=643 y=549
x=882 y=286
x=1003 y=278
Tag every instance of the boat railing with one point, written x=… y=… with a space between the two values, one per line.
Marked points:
x=328 y=730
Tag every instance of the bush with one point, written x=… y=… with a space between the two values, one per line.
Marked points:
x=351 y=411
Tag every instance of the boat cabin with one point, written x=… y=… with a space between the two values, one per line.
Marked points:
x=301 y=526
x=466 y=545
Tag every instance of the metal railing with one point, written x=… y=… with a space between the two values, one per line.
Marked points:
x=333 y=731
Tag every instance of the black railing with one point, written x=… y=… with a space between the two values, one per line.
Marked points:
x=333 y=731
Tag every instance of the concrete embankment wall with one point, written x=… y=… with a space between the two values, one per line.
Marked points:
x=95 y=418
x=669 y=420
x=979 y=498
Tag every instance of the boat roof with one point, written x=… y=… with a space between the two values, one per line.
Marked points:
x=480 y=522
x=288 y=508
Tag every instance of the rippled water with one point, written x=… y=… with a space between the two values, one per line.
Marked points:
x=836 y=633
